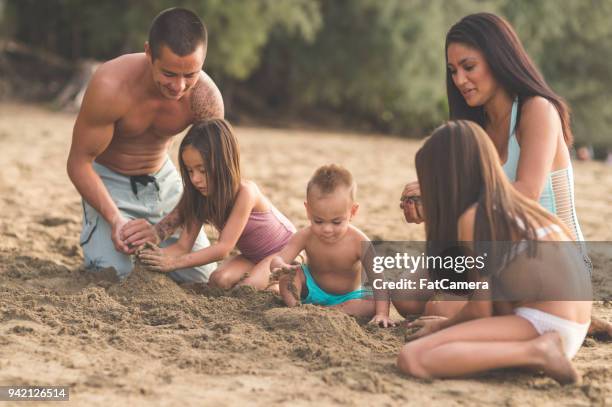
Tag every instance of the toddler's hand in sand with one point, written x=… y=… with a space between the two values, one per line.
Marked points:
x=410 y=203
x=137 y=232
x=382 y=320
x=153 y=258
x=428 y=325
x=283 y=270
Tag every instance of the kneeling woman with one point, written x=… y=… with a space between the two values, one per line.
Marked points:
x=542 y=332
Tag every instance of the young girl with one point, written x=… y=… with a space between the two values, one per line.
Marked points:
x=466 y=197
x=214 y=193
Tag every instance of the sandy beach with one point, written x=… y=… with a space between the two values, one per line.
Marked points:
x=148 y=341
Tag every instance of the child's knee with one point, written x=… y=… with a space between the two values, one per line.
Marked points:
x=408 y=361
x=222 y=280
x=409 y=307
x=443 y=308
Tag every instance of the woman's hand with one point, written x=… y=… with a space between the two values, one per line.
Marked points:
x=382 y=320
x=428 y=325
x=155 y=259
x=410 y=203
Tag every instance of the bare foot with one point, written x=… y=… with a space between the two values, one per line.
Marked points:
x=555 y=363
x=600 y=328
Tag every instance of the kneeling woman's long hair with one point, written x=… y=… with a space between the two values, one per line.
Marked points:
x=457 y=167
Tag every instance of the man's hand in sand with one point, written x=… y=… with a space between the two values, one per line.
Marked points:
x=116 y=227
x=428 y=325
x=410 y=203
x=382 y=321
x=137 y=232
x=154 y=258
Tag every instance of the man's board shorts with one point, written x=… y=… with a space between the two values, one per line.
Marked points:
x=149 y=197
x=317 y=296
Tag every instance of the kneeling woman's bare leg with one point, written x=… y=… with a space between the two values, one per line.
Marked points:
x=485 y=344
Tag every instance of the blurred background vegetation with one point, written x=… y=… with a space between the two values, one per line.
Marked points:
x=370 y=65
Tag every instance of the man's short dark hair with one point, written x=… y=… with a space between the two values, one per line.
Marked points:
x=179 y=29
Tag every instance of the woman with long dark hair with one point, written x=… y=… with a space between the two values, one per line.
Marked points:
x=492 y=81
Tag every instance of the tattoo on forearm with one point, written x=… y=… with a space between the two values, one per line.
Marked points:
x=166 y=227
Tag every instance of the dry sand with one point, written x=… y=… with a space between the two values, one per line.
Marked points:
x=148 y=341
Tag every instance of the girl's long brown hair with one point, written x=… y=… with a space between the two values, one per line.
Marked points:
x=216 y=142
x=509 y=63
x=457 y=167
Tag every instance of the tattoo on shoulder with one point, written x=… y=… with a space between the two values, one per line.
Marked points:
x=206 y=101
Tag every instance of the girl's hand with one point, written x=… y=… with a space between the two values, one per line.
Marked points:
x=382 y=320
x=155 y=259
x=428 y=325
x=410 y=203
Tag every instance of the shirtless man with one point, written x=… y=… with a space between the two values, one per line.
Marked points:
x=119 y=161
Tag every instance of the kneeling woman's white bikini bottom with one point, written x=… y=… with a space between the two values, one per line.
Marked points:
x=572 y=333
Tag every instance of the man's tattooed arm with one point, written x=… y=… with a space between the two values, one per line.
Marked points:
x=206 y=100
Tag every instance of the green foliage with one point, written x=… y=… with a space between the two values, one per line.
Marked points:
x=579 y=65
x=571 y=41
x=380 y=62
x=383 y=61
x=238 y=28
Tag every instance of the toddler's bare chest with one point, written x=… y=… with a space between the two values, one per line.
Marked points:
x=335 y=260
